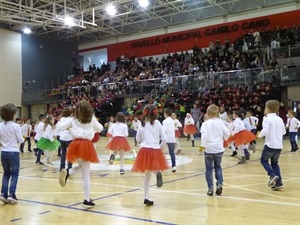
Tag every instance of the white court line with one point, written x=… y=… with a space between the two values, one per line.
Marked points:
x=236 y=198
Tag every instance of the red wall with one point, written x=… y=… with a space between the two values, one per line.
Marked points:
x=184 y=40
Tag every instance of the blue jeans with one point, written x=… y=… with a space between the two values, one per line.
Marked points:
x=11 y=167
x=293 y=136
x=213 y=161
x=64 y=147
x=273 y=168
x=171 y=147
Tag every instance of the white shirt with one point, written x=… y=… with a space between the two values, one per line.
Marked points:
x=247 y=125
x=149 y=136
x=253 y=121
x=293 y=124
x=273 y=130
x=10 y=136
x=39 y=129
x=177 y=124
x=169 y=128
x=118 y=130
x=213 y=133
x=136 y=124
x=189 y=121
x=49 y=133
x=26 y=130
x=238 y=126
x=223 y=116
x=80 y=130
x=65 y=135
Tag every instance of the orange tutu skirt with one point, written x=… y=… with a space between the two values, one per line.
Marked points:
x=149 y=159
x=242 y=137
x=82 y=149
x=119 y=143
x=189 y=129
x=177 y=133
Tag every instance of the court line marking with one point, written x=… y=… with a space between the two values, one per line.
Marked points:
x=99 y=212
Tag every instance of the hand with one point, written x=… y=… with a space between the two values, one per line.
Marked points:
x=201 y=149
x=257 y=134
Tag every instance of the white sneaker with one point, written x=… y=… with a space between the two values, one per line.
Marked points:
x=173 y=169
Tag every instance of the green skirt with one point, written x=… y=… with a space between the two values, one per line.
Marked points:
x=45 y=144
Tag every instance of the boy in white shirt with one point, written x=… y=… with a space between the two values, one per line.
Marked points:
x=273 y=131
x=135 y=125
x=293 y=125
x=26 y=132
x=169 y=128
x=253 y=121
x=213 y=134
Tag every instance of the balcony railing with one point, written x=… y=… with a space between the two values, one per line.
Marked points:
x=197 y=82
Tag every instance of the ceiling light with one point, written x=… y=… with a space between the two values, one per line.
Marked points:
x=111 y=10
x=27 y=31
x=144 y=3
x=69 y=21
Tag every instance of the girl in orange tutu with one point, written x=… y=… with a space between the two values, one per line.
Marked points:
x=150 y=158
x=118 y=143
x=82 y=127
x=240 y=135
x=189 y=128
x=177 y=132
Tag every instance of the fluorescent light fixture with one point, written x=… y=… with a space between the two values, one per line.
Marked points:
x=144 y=3
x=69 y=21
x=111 y=10
x=27 y=31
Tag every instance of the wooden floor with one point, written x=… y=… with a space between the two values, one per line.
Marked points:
x=246 y=199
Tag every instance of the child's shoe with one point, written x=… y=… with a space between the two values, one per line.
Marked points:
x=87 y=204
x=234 y=153
x=3 y=198
x=219 y=190
x=111 y=159
x=12 y=198
x=210 y=192
x=63 y=177
x=122 y=171
x=148 y=202
x=272 y=181
x=242 y=160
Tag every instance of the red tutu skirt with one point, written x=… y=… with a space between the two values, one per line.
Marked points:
x=189 y=129
x=82 y=149
x=119 y=143
x=177 y=133
x=149 y=159
x=242 y=137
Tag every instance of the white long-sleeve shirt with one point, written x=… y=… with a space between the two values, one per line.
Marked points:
x=26 y=130
x=82 y=130
x=273 y=131
x=49 y=133
x=39 y=129
x=65 y=135
x=253 y=121
x=10 y=136
x=118 y=130
x=177 y=124
x=213 y=133
x=293 y=124
x=189 y=121
x=136 y=124
x=169 y=128
x=149 y=136
x=238 y=126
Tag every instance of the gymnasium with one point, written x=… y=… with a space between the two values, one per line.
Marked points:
x=120 y=55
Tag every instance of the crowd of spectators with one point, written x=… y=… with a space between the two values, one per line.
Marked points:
x=202 y=66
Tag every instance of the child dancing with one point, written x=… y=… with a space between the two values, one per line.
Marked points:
x=83 y=126
x=150 y=158
x=118 y=143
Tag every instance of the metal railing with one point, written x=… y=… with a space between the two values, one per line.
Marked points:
x=197 y=82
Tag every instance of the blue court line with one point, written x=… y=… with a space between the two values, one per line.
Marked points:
x=97 y=212
x=14 y=220
x=41 y=213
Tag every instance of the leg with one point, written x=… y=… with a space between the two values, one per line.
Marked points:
x=63 y=154
x=38 y=157
x=29 y=143
x=208 y=172
x=22 y=146
x=264 y=160
x=14 y=162
x=112 y=157
x=147 y=179
x=275 y=165
x=121 y=152
x=193 y=140
x=171 y=147
x=6 y=172
x=218 y=172
x=85 y=172
x=243 y=158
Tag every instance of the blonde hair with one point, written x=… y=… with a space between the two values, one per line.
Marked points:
x=272 y=106
x=213 y=111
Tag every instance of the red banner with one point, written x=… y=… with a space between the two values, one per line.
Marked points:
x=201 y=37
